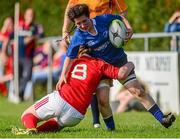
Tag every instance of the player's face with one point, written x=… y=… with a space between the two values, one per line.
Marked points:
x=83 y=23
x=29 y=16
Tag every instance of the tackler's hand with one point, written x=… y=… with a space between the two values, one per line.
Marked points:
x=61 y=81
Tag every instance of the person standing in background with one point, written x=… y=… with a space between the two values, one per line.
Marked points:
x=6 y=36
x=27 y=41
x=173 y=25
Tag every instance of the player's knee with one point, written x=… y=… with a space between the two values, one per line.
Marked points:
x=29 y=110
x=24 y=113
x=140 y=93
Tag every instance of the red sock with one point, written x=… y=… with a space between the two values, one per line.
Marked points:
x=3 y=89
x=49 y=126
x=29 y=120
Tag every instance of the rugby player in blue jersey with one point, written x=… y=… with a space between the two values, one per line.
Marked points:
x=93 y=33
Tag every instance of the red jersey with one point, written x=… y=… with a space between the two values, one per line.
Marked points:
x=26 y=30
x=82 y=80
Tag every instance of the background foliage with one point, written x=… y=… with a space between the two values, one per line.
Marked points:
x=49 y=13
x=150 y=16
x=144 y=16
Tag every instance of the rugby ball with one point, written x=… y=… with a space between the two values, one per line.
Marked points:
x=117 y=33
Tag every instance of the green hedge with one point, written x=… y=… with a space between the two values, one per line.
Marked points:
x=49 y=13
x=150 y=16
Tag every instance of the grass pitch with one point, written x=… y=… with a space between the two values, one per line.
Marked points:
x=128 y=125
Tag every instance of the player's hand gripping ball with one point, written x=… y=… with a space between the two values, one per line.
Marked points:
x=117 y=33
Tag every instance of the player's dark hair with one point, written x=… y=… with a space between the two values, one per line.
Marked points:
x=77 y=11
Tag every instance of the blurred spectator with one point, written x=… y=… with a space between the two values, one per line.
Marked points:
x=41 y=69
x=40 y=59
x=128 y=102
x=27 y=41
x=40 y=30
x=7 y=77
x=173 y=25
x=6 y=34
x=29 y=31
x=6 y=70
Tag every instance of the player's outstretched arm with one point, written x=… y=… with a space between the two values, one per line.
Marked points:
x=67 y=64
x=125 y=70
x=66 y=27
x=117 y=73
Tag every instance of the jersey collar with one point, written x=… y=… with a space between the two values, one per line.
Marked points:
x=94 y=24
x=94 y=21
x=86 y=55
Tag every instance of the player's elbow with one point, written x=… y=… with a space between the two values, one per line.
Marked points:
x=125 y=70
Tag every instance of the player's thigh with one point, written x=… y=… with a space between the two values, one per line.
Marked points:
x=53 y=105
x=69 y=116
x=134 y=87
x=130 y=78
x=49 y=106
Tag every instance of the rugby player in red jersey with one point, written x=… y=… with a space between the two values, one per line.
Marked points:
x=67 y=107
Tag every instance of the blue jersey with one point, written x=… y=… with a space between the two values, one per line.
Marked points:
x=100 y=44
x=27 y=50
